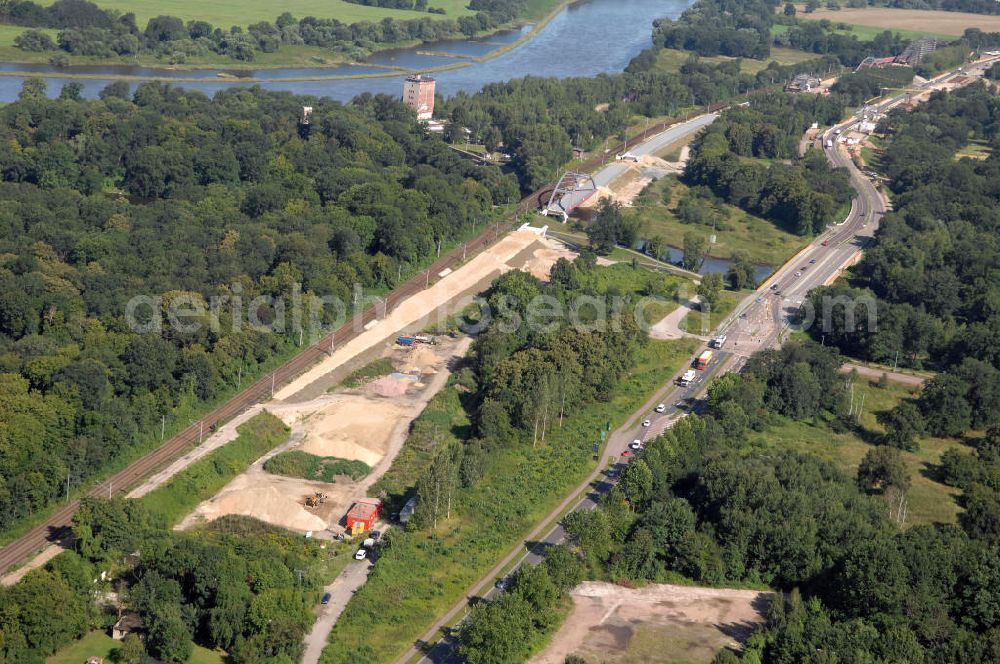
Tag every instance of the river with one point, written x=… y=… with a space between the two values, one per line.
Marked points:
x=584 y=39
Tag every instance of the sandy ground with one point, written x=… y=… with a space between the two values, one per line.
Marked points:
x=356 y=424
x=626 y=187
x=428 y=307
x=669 y=326
x=658 y=623
x=935 y=22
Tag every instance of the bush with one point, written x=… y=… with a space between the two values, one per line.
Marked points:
x=35 y=41
x=296 y=463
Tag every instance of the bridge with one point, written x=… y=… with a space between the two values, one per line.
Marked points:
x=572 y=190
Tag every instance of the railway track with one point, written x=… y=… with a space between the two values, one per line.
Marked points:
x=56 y=528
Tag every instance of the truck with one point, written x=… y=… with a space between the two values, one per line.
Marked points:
x=829 y=143
x=718 y=342
x=703 y=360
x=406 y=341
x=688 y=377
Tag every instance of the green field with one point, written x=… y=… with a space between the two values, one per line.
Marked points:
x=696 y=323
x=929 y=500
x=736 y=231
x=101 y=645
x=976 y=149
x=430 y=571
x=226 y=13
x=670 y=60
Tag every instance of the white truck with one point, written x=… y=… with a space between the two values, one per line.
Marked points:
x=688 y=377
x=718 y=342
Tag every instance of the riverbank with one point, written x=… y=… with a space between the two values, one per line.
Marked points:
x=296 y=56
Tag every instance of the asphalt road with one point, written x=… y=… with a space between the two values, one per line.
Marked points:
x=760 y=321
x=56 y=527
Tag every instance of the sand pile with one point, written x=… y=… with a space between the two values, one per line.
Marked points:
x=355 y=427
x=390 y=386
x=542 y=259
x=267 y=504
x=654 y=162
x=422 y=360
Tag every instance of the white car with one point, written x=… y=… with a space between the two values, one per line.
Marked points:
x=636 y=444
x=361 y=554
x=661 y=408
x=646 y=423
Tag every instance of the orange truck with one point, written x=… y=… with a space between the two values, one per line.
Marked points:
x=703 y=360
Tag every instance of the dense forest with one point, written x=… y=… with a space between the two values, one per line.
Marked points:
x=933 y=269
x=738 y=28
x=237 y=584
x=704 y=502
x=733 y=157
x=528 y=370
x=86 y=29
x=179 y=196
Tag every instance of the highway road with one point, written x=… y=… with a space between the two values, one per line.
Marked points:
x=55 y=528
x=758 y=322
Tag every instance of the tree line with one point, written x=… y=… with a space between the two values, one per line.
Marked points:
x=86 y=29
x=182 y=196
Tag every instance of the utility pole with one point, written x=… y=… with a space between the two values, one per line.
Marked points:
x=239 y=377
x=163 y=425
x=201 y=431
x=427 y=281
x=272 y=385
x=896 y=361
x=333 y=338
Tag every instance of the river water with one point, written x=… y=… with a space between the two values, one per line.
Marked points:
x=585 y=39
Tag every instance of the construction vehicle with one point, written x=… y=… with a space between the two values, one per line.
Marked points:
x=406 y=341
x=316 y=499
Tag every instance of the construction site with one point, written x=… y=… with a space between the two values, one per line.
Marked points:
x=369 y=422
x=658 y=623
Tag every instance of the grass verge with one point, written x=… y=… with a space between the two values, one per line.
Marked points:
x=180 y=494
x=101 y=645
x=699 y=322
x=358 y=377
x=430 y=571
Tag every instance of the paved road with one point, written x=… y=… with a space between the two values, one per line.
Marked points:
x=760 y=321
x=55 y=528
x=651 y=146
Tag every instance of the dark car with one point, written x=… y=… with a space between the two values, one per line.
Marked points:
x=326 y=598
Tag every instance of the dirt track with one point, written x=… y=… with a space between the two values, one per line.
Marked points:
x=658 y=623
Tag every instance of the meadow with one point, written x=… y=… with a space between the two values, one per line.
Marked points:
x=736 y=231
x=671 y=60
x=929 y=500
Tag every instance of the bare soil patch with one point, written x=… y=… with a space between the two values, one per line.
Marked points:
x=353 y=424
x=917 y=20
x=659 y=623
